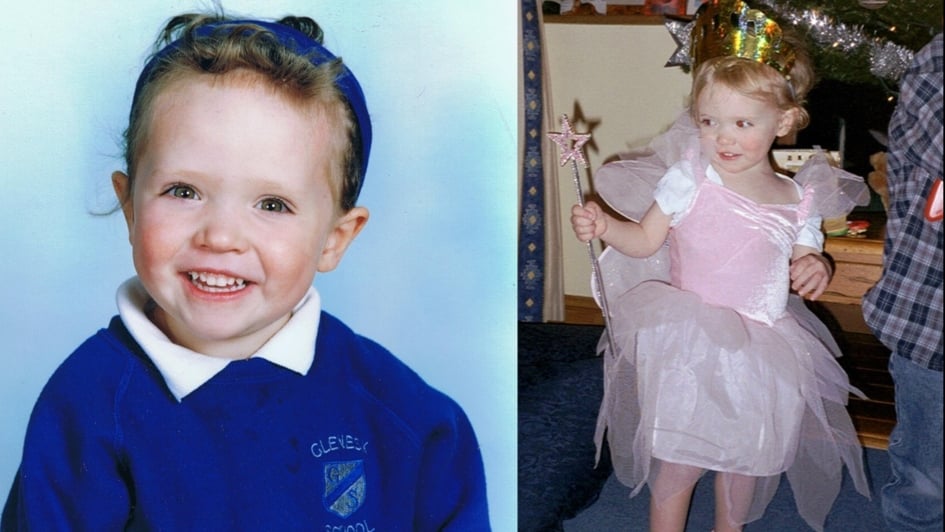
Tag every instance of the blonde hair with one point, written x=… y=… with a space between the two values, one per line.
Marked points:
x=759 y=81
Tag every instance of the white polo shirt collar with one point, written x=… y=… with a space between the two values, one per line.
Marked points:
x=183 y=370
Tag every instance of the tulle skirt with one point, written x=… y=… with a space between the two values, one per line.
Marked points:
x=692 y=387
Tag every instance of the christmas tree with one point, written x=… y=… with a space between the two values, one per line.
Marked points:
x=860 y=49
x=860 y=41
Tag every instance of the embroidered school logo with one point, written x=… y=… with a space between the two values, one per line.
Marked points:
x=345 y=487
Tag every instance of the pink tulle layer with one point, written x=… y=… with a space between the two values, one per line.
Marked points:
x=694 y=387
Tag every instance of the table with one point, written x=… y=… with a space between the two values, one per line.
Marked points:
x=858 y=264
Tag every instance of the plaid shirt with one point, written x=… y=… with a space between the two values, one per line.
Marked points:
x=905 y=308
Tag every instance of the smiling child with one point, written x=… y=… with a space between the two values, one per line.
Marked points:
x=222 y=397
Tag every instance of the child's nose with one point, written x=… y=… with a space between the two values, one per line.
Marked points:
x=725 y=137
x=220 y=230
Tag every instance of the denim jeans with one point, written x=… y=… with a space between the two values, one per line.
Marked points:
x=912 y=500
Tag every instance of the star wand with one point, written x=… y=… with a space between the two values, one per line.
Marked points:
x=571 y=145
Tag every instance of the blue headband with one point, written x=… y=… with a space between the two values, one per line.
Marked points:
x=303 y=45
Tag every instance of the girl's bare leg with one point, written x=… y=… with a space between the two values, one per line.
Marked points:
x=670 y=515
x=670 y=495
x=733 y=495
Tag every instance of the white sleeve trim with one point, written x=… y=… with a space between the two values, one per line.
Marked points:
x=676 y=190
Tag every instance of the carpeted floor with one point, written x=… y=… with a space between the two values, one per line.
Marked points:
x=851 y=512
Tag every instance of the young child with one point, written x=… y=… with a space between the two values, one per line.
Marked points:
x=720 y=369
x=222 y=397
x=905 y=308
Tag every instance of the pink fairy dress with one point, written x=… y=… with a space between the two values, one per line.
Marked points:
x=716 y=365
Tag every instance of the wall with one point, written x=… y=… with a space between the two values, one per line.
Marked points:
x=615 y=74
x=436 y=258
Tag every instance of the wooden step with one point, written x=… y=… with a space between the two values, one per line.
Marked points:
x=873 y=433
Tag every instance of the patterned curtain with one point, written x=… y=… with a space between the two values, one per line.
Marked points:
x=541 y=284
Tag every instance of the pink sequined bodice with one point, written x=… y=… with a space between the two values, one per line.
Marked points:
x=734 y=252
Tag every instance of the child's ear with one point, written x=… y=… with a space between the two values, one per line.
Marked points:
x=786 y=122
x=342 y=234
x=122 y=185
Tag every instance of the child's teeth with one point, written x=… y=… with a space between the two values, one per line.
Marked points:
x=214 y=280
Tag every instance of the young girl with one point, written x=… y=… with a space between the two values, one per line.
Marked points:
x=222 y=397
x=720 y=369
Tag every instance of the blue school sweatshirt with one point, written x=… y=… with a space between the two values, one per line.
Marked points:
x=360 y=443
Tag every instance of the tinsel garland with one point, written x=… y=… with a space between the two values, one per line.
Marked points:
x=887 y=60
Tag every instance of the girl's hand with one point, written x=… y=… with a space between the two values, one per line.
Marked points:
x=589 y=221
x=810 y=275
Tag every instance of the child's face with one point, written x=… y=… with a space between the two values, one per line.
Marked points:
x=232 y=211
x=736 y=131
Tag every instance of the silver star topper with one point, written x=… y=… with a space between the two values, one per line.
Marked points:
x=682 y=34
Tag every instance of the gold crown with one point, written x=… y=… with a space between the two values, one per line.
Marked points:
x=731 y=27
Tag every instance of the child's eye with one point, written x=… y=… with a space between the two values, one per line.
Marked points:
x=273 y=205
x=706 y=122
x=182 y=192
x=743 y=123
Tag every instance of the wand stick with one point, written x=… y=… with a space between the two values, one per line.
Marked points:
x=571 y=145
